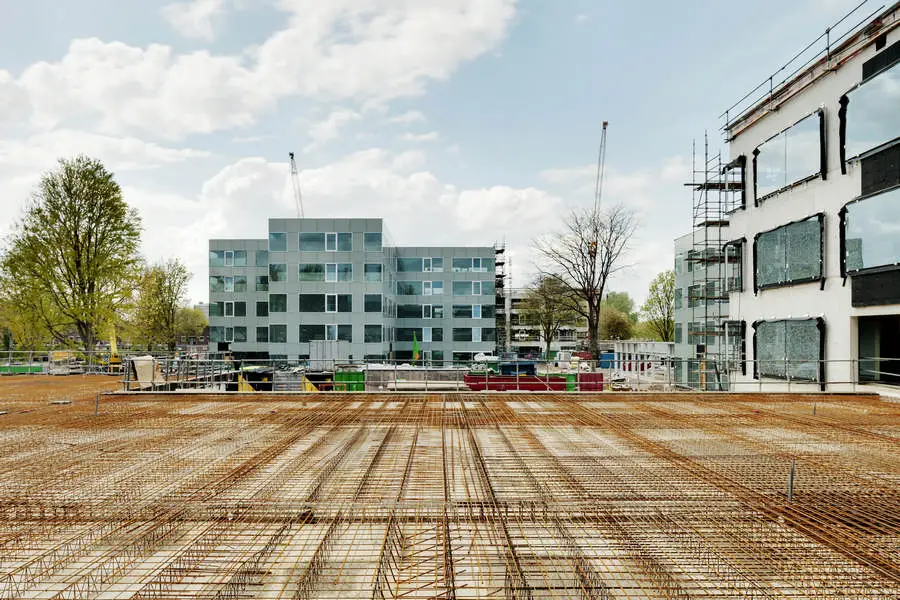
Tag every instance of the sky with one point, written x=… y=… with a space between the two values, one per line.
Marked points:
x=460 y=122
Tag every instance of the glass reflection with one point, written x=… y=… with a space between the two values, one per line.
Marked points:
x=872 y=231
x=873 y=117
x=791 y=156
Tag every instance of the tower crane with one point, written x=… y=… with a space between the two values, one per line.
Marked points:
x=601 y=167
x=295 y=182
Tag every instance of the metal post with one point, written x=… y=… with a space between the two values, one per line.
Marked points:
x=97 y=406
x=791 y=483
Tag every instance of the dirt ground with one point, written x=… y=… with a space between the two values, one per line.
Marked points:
x=20 y=391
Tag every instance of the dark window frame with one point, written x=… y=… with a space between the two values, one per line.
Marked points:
x=844 y=106
x=823 y=160
x=820 y=278
x=842 y=217
x=820 y=325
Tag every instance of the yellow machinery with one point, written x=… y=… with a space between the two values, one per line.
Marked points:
x=113 y=360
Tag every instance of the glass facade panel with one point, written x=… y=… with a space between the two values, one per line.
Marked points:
x=262 y=309
x=312 y=303
x=240 y=334
x=488 y=311
x=487 y=288
x=277 y=272
x=345 y=272
x=462 y=311
x=372 y=303
x=409 y=311
x=437 y=311
x=217 y=258
x=312 y=272
x=461 y=265
x=462 y=288
x=872 y=115
x=278 y=303
x=345 y=242
x=262 y=283
x=372 y=272
x=372 y=241
x=788 y=349
x=240 y=309
x=409 y=288
x=311 y=242
x=262 y=258
x=216 y=283
x=345 y=303
x=462 y=334
x=310 y=333
x=330 y=242
x=790 y=253
x=240 y=283
x=405 y=334
x=791 y=156
x=240 y=258
x=871 y=231
x=278 y=334
x=437 y=288
x=331 y=272
x=277 y=242
x=345 y=333
x=372 y=334
x=262 y=335
x=409 y=265
x=330 y=303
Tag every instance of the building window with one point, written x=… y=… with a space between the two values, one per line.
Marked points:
x=229 y=258
x=262 y=309
x=734 y=273
x=462 y=334
x=217 y=258
x=228 y=309
x=229 y=284
x=262 y=283
x=476 y=334
x=372 y=334
x=793 y=156
x=277 y=242
x=240 y=258
x=433 y=265
x=240 y=334
x=311 y=242
x=372 y=272
x=405 y=334
x=409 y=288
x=372 y=303
x=437 y=311
x=677 y=333
x=409 y=311
x=372 y=241
x=462 y=311
x=677 y=298
x=278 y=303
x=229 y=334
x=488 y=334
x=311 y=272
x=789 y=254
x=331 y=242
x=426 y=311
x=426 y=334
x=476 y=311
x=871 y=118
x=278 y=334
x=240 y=309
x=331 y=303
x=310 y=333
x=789 y=349
x=277 y=272
x=409 y=265
x=488 y=311
x=331 y=272
x=870 y=232
x=339 y=332
x=262 y=335
x=338 y=242
x=345 y=272
x=312 y=303
x=462 y=288
x=216 y=283
x=262 y=258
x=240 y=283
x=735 y=346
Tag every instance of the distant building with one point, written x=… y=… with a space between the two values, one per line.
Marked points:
x=342 y=284
x=526 y=340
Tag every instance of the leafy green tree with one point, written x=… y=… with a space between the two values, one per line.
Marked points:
x=615 y=325
x=160 y=294
x=190 y=322
x=644 y=331
x=546 y=308
x=72 y=258
x=622 y=302
x=659 y=309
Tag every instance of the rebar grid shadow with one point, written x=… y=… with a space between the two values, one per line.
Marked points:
x=454 y=496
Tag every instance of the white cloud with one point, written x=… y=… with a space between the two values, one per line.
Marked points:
x=365 y=51
x=195 y=18
x=329 y=129
x=410 y=116
x=431 y=136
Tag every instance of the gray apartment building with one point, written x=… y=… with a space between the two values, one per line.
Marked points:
x=341 y=284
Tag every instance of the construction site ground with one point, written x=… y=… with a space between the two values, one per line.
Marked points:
x=512 y=495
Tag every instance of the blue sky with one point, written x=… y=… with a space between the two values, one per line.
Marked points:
x=458 y=121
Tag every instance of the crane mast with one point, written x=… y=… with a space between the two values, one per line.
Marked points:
x=295 y=182
x=601 y=167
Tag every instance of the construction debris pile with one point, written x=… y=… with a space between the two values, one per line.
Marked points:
x=456 y=495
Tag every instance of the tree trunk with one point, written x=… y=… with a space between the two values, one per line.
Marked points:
x=593 y=334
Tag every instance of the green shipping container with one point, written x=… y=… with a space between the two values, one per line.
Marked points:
x=571 y=382
x=351 y=381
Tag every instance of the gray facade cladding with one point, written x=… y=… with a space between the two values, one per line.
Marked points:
x=343 y=280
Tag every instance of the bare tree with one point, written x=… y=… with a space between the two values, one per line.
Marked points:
x=546 y=308
x=592 y=247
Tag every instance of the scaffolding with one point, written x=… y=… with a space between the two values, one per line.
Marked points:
x=451 y=496
x=717 y=190
x=501 y=291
